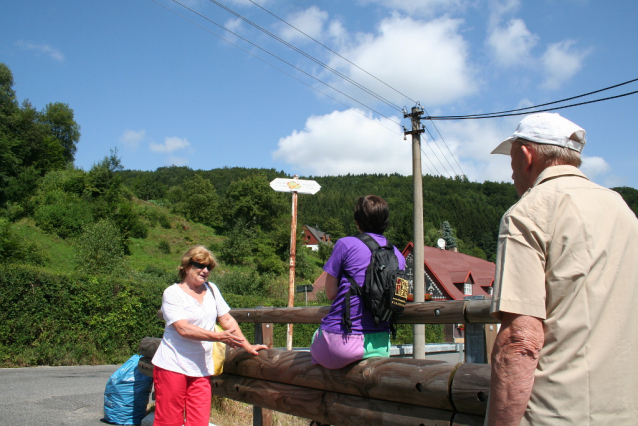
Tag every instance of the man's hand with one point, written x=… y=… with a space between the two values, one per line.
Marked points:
x=514 y=361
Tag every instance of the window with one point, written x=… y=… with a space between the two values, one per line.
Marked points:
x=467 y=289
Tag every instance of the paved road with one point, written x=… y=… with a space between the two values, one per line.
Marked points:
x=52 y=396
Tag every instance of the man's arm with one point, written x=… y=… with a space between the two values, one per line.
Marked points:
x=514 y=360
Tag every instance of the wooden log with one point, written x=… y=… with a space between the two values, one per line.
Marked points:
x=263 y=336
x=145 y=366
x=148 y=346
x=297 y=315
x=439 y=312
x=478 y=311
x=416 y=382
x=434 y=312
x=327 y=407
x=470 y=388
x=461 y=419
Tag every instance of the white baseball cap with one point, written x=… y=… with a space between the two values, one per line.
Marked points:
x=546 y=128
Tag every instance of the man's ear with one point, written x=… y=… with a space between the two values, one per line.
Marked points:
x=529 y=155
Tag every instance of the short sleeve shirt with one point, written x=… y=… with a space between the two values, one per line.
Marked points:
x=568 y=254
x=186 y=356
x=350 y=254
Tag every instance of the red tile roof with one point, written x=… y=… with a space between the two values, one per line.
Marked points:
x=450 y=270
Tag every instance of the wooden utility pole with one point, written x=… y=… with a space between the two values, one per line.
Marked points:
x=418 y=348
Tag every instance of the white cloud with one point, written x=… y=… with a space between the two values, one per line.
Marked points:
x=562 y=62
x=501 y=8
x=44 y=49
x=234 y=25
x=132 y=139
x=471 y=142
x=170 y=145
x=420 y=7
x=434 y=61
x=593 y=167
x=511 y=45
x=310 y=21
x=328 y=146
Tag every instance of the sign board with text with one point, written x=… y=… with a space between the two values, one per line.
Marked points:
x=300 y=186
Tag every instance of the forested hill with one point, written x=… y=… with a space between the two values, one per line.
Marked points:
x=472 y=209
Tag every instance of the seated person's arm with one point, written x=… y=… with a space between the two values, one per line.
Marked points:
x=332 y=286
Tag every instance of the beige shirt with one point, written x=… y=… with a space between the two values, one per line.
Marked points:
x=568 y=254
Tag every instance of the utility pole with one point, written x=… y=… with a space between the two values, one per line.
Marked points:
x=418 y=330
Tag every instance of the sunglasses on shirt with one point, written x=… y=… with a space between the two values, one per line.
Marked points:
x=201 y=265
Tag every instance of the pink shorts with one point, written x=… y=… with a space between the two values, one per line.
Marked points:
x=336 y=350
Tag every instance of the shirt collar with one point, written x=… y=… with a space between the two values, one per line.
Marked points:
x=558 y=171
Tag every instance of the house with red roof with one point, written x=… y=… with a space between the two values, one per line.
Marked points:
x=313 y=236
x=450 y=275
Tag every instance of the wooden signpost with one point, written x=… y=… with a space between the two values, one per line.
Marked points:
x=295 y=186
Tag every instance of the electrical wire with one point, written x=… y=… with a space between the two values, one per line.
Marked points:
x=273 y=55
x=326 y=47
x=444 y=156
x=508 y=114
x=307 y=55
x=441 y=151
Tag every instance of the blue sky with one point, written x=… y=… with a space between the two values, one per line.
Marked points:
x=164 y=90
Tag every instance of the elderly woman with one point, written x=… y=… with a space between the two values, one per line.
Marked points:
x=183 y=361
x=334 y=346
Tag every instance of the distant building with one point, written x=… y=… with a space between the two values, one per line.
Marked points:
x=313 y=236
x=450 y=275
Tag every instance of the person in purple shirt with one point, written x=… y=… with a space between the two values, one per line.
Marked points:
x=332 y=346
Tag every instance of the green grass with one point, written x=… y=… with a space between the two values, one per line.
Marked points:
x=57 y=253
x=180 y=237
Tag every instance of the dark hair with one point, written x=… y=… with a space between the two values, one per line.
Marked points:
x=372 y=214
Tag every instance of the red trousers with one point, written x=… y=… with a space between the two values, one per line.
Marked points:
x=178 y=396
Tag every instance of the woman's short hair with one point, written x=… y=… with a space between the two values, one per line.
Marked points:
x=199 y=254
x=372 y=214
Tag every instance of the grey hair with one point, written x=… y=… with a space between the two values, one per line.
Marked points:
x=553 y=155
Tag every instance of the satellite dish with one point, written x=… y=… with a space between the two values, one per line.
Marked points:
x=441 y=243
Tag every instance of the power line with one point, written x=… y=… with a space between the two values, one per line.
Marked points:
x=441 y=151
x=307 y=55
x=271 y=54
x=326 y=47
x=514 y=111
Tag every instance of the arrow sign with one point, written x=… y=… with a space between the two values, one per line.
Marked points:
x=300 y=186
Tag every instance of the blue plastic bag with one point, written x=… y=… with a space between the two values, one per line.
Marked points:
x=126 y=394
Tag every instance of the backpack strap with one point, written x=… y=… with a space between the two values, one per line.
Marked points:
x=354 y=290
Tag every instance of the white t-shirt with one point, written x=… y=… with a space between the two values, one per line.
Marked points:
x=186 y=356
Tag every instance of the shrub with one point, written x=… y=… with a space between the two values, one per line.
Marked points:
x=164 y=246
x=63 y=214
x=99 y=249
x=60 y=319
x=13 y=249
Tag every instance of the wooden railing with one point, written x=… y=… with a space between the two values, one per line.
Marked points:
x=376 y=391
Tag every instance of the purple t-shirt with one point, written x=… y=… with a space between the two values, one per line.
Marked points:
x=352 y=255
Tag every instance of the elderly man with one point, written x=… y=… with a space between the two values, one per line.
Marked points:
x=566 y=289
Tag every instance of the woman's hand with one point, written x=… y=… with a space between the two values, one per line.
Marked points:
x=254 y=349
x=230 y=338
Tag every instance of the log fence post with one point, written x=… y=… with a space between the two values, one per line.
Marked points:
x=263 y=336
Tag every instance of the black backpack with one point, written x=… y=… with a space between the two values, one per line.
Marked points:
x=385 y=289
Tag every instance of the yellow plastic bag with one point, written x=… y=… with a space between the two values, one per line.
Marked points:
x=219 y=353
